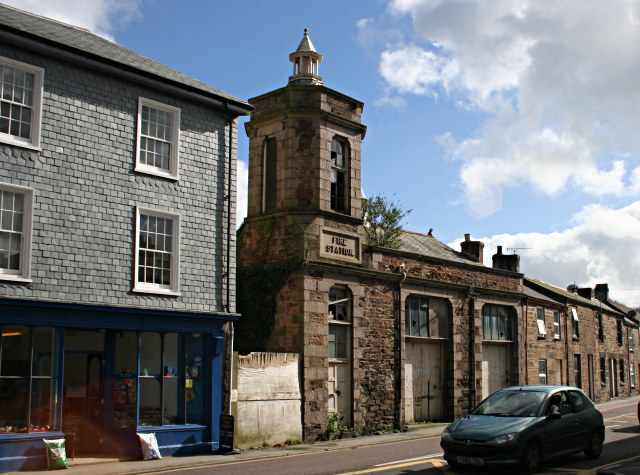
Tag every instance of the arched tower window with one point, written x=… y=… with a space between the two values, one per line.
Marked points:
x=339 y=175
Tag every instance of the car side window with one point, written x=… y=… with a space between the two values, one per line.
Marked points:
x=565 y=404
x=577 y=401
x=554 y=403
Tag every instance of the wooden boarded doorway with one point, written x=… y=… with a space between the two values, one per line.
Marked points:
x=424 y=381
x=495 y=367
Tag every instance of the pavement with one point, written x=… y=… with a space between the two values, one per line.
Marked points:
x=113 y=466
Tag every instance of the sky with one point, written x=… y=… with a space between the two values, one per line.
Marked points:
x=514 y=121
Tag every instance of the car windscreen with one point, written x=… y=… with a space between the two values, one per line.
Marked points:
x=512 y=404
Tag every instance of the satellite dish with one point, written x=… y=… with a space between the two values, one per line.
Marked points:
x=573 y=288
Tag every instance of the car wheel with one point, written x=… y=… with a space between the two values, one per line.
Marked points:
x=595 y=445
x=532 y=457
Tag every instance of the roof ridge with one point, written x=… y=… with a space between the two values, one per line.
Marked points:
x=53 y=20
x=417 y=233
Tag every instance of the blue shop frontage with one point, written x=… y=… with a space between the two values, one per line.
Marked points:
x=97 y=376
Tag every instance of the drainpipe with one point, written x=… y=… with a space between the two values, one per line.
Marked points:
x=472 y=354
x=526 y=342
x=228 y=200
x=399 y=371
x=228 y=272
x=566 y=332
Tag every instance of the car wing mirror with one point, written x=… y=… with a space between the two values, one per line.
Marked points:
x=554 y=415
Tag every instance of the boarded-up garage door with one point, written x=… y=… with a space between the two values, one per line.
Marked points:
x=424 y=381
x=495 y=368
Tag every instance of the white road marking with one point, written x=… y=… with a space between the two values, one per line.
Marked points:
x=410 y=460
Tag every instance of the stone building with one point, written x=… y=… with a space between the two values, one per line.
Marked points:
x=117 y=199
x=579 y=338
x=385 y=336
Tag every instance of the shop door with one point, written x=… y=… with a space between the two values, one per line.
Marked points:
x=83 y=402
x=424 y=381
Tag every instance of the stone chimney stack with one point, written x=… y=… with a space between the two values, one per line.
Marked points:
x=510 y=262
x=586 y=292
x=602 y=292
x=472 y=249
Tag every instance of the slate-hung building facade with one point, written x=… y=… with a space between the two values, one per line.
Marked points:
x=385 y=336
x=117 y=254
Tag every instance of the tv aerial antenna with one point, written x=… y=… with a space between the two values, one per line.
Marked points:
x=514 y=249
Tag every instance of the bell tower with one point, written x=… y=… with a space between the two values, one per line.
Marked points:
x=304 y=161
x=299 y=250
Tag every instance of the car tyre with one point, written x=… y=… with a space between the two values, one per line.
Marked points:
x=531 y=457
x=595 y=445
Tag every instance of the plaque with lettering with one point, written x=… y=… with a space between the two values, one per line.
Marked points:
x=338 y=245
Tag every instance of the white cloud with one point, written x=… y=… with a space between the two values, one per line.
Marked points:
x=599 y=247
x=556 y=81
x=102 y=17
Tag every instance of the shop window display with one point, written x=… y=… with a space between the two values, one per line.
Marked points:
x=27 y=380
x=167 y=395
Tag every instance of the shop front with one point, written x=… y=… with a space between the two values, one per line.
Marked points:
x=97 y=376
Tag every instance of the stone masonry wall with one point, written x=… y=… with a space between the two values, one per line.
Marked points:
x=536 y=347
x=449 y=273
x=375 y=356
x=86 y=193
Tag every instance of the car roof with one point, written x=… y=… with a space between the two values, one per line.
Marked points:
x=540 y=387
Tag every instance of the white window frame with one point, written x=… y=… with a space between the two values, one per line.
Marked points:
x=145 y=287
x=24 y=273
x=345 y=303
x=173 y=171
x=542 y=371
x=575 y=324
x=557 y=331
x=542 y=330
x=36 y=108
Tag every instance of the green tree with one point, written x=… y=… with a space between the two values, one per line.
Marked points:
x=383 y=221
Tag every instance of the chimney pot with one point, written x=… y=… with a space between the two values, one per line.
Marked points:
x=472 y=249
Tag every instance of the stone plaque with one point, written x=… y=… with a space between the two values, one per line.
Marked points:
x=338 y=245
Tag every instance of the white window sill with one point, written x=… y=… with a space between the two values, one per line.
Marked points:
x=15 y=278
x=9 y=140
x=168 y=293
x=156 y=172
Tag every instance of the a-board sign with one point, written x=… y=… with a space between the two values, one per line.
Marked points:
x=226 y=433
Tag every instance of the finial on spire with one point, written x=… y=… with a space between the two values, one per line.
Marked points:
x=305 y=62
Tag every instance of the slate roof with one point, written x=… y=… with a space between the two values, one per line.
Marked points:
x=429 y=246
x=85 y=43
x=532 y=293
x=546 y=289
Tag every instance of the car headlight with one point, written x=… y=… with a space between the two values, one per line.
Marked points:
x=502 y=439
x=446 y=435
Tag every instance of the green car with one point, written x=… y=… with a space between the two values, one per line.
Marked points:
x=525 y=425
